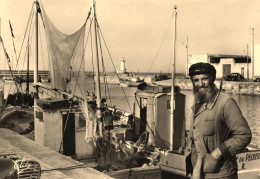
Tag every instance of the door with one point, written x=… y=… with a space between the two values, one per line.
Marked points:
x=242 y=71
x=143 y=114
x=226 y=69
x=68 y=124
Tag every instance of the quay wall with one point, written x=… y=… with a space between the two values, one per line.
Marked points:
x=231 y=87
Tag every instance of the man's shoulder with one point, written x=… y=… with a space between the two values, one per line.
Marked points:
x=224 y=97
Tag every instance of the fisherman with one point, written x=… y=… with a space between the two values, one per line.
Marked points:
x=218 y=130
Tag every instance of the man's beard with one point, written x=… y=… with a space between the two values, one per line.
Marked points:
x=205 y=94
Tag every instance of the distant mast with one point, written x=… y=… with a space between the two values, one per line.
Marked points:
x=28 y=65
x=1 y=37
x=173 y=71
x=36 y=49
x=98 y=91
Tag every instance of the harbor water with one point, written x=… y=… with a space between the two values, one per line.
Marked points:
x=123 y=99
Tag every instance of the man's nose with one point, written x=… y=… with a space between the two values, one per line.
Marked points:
x=201 y=84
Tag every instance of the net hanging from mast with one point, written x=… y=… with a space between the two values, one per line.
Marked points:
x=67 y=66
x=66 y=57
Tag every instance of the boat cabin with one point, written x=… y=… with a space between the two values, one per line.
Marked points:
x=153 y=108
x=61 y=127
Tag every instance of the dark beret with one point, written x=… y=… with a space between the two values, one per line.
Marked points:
x=202 y=68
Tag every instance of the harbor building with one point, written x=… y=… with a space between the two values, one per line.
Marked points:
x=225 y=64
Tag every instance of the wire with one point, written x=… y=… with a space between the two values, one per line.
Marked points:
x=41 y=48
x=30 y=17
x=76 y=84
x=92 y=52
x=161 y=44
x=30 y=32
x=114 y=67
x=104 y=71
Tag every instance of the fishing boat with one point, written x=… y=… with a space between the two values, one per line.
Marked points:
x=16 y=112
x=134 y=82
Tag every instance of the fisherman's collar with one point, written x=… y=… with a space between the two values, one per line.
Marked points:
x=211 y=104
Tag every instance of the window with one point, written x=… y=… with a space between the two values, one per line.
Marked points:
x=82 y=121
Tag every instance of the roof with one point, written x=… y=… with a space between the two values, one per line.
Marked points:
x=215 y=58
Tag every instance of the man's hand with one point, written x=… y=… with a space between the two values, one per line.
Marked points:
x=216 y=153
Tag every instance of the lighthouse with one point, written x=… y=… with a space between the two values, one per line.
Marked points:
x=122 y=66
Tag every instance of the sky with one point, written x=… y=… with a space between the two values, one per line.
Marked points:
x=141 y=31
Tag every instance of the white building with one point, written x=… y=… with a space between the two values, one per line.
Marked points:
x=122 y=66
x=225 y=64
x=257 y=60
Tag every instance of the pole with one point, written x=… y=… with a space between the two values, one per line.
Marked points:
x=253 y=59
x=138 y=72
x=27 y=81
x=36 y=50
x=173 y=71
x=247 y=62
x=187 y=46
x=0 y=36
x=98 y=92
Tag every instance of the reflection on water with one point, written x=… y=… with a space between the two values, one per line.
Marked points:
x=249 y=105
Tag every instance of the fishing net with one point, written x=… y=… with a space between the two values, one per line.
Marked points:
x=66 y=53
x=67 y=66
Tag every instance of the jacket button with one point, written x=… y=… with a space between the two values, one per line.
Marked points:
x=189 y=150
x=193 y=127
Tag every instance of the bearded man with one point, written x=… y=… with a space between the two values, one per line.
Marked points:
x=218 y=130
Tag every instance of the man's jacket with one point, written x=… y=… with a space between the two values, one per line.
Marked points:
x=219 y=124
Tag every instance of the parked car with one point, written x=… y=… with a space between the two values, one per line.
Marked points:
x=256 y=78
x=234 y=77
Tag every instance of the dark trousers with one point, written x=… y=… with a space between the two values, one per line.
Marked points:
x=233 y=176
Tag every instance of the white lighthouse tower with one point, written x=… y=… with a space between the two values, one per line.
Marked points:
x=122 y=66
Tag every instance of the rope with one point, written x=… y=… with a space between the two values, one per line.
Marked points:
x=104 y=71
x=92 y=56
x=46 y=93
x=114 y=67
x=30 y=31
x=160 y=44
x=14 y=47
x=82 y=59
x=8 y=61
x=77 y=77
x=149 y=126
x=30 y=17
x=41 y=48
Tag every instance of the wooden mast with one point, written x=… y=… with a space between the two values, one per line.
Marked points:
x=27 y=75
x=36 y=51
x=173 y=71
x=97 y=76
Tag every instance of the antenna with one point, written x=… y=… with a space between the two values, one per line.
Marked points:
x=173 y=72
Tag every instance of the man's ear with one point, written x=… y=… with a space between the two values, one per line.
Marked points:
x=212 y=79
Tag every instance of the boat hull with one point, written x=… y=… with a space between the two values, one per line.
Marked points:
x=248 y=164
